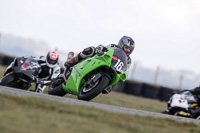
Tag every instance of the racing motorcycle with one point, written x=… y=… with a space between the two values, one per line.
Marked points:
x=93 y=75
x=180 y=103
x=20 y=73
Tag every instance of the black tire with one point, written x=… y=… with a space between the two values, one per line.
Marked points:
x=7 y=79
x=56 y=88
x=165 y=112
x=98 y=88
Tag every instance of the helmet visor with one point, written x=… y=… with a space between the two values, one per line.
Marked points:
x=52 y=61
x=127 y=48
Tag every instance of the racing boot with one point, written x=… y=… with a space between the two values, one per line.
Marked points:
x=87 y=52
x=72 y=62
x=70 y=55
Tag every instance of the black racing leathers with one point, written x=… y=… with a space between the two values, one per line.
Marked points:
x=89 y=52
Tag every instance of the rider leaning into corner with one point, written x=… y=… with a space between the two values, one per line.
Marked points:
x=196 y=92
x=126 y=43
x=50 y=69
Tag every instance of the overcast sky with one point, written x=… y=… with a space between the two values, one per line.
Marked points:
x=166 y=32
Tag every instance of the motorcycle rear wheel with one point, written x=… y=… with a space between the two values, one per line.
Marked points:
x=95 y=90
x=55 y=88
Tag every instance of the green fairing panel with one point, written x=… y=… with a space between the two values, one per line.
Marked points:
x=83 y=68
x=116 y=78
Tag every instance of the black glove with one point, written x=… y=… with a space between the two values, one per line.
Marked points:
x=100 y=50
x=39 y=81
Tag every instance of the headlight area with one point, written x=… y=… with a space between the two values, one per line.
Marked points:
x=106 y=57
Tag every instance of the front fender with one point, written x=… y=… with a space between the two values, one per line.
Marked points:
x=99 y=75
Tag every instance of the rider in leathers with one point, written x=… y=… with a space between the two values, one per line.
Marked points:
x=126 y=43
x=50 y=69
x=196 y=92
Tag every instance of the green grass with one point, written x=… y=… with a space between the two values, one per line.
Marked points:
x=2 y=70
x=38 y=115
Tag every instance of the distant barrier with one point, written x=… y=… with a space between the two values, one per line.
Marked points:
x=1 y=60
x=144 y=90
x=6 y=60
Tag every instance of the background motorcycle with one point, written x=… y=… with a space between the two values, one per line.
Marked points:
x=91 y=76
x=20 y=73
x=180 y=103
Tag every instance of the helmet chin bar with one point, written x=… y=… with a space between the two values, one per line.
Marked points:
x=50 y=65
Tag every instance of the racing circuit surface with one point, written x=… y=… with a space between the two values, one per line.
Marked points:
x=123 y=110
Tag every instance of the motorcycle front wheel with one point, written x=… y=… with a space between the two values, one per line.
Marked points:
x=7 y=79
x=165 y=112
x=88 y=92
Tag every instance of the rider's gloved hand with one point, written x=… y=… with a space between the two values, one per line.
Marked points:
x=100 y=50
x=39 y=81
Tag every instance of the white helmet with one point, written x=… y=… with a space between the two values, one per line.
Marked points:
x=52 y=58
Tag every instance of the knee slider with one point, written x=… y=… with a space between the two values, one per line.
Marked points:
x=87 y=51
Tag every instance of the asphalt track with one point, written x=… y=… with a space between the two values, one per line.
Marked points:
x=110 y=108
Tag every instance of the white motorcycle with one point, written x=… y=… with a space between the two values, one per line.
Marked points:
x=180 y=103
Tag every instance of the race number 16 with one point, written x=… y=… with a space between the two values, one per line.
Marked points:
x=119 y=65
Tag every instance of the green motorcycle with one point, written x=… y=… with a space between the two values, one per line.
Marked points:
x=92 y=76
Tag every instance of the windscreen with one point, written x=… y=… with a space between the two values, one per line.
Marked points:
x=30 y=64
x=188 y=96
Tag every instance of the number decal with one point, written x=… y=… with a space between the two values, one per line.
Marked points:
x=119 y=65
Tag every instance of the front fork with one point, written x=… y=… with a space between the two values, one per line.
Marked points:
x=11 y=73
x=95 y=77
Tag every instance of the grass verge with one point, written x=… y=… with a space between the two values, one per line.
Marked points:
x=38 y=115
